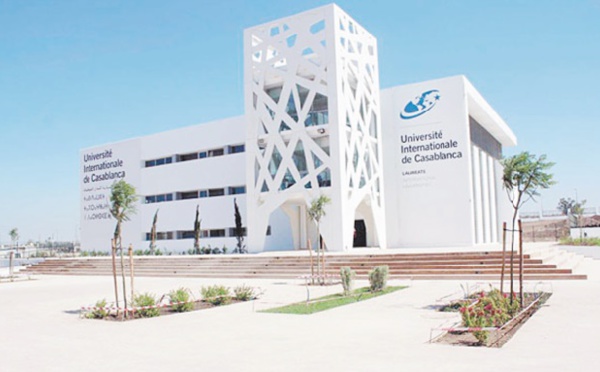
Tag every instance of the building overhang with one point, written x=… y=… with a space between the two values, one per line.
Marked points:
x=487 y=117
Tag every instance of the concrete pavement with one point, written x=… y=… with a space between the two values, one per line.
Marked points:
x=40 y=330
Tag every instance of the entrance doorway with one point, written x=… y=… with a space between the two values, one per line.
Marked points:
x=360 y=234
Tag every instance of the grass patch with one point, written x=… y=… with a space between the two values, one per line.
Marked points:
x=577 y=241
x=331 y=301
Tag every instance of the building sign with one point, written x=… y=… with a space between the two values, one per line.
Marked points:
x=100 y=168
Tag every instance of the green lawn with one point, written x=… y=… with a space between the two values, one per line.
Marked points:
x=331 y=301
x=584 y=241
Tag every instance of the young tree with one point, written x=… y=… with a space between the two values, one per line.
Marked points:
x=14 y=236
x=197 y=223
x=153 y=234
x=524 y=174
x=316 y=212
x=239 y=229
x=122 y=206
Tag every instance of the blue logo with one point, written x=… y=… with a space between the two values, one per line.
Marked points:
x=420 y=104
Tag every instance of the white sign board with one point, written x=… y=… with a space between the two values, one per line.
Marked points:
x=100 y=168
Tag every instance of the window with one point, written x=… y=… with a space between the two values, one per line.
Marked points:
x=216 y=152
x=157 y=162
x=202 y=155
x=188 y=195
x=189 y=234
x=235 y=190
x=217 y=233
x=216 y=192
x=150 y=199
x=203 y=193
x=234 y=149
x=231 y=231
x=268 y=230
x=160 y=198
x=187 y=157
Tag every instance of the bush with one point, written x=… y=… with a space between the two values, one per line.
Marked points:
x=347 y=275
x=100 y=312
x=180 y=295
x=244 y=293
x=145 y=299
x=216 y=295
x=378 y=278
x=493 y=309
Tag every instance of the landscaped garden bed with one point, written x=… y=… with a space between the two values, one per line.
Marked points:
x=331 y=301
x=181 y=300
x=490 y=318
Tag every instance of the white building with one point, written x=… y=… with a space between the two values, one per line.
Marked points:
x=315 y=125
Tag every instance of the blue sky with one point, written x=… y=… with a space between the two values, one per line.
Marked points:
x=74 y=74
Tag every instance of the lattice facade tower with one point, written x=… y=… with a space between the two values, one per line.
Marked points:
x=313 y=112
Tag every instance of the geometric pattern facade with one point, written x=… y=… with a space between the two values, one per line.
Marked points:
x=312 y=106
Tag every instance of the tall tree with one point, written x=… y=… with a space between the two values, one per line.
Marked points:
x=123 y=200
x=565 y=205
x=197 y=224
x=153 y=234
x=239 y=229
x=316 y=212
x=14 y=236
x=524 y=174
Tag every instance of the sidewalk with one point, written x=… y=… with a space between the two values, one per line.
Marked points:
x=41 y=330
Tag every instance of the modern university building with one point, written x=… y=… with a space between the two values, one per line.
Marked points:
x=411 y=166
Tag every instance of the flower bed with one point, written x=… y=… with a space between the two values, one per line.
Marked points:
x=492 y=319
x=176 y=301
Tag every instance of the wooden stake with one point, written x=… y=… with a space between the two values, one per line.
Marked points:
x=312 y=265
x=131 y=271
x=503 y=257
x=113 y=246
x=521 y=296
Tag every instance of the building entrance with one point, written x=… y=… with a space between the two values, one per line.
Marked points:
x=360 y=234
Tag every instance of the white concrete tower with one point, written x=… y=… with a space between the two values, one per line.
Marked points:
x=314 y=127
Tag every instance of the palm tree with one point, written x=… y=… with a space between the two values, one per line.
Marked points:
x=123 y=205
x=316 y=212
x=523 y=175
x=14 y=236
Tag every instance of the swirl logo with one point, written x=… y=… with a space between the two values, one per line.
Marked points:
x=421 y=104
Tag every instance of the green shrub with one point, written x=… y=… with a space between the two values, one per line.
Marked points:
x=145 y=299
x=100 y=312
x=378 y=278
x=244 y=293
x=216 y=295
x=347 y=275
x=181 y=295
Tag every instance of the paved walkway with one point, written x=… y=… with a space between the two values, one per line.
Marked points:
x=40 y=330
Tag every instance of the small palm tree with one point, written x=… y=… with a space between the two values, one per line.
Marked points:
x=316 y=212
x=123 y=201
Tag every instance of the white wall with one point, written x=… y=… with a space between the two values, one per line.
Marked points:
x=177 y=215
x=432 y=205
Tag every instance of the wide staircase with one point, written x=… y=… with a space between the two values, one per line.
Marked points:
x=427 y=266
